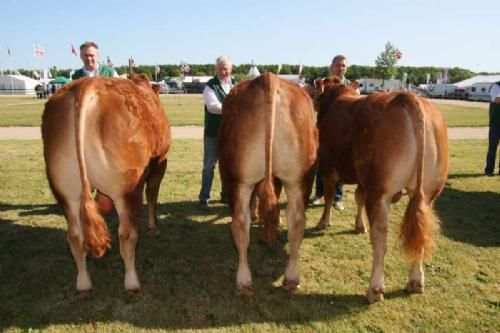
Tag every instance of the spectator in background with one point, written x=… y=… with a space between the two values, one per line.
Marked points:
x=338 y=67
x=494 y=132
x=214 y=93
x=89 y=53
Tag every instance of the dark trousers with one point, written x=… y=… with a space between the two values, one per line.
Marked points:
x=339 y=188
x=493 y=139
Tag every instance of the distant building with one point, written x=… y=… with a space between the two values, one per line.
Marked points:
x=368 y=86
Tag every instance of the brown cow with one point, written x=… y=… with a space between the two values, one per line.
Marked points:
x=385 y=142
x=268 y=130
x=111 y=135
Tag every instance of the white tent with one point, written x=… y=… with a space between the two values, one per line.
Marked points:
x=478 y=79
x=17 y=84
x=253 y=72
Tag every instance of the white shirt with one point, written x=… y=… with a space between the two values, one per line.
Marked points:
x=494 y=92
x=211 y=101
x=95 y=71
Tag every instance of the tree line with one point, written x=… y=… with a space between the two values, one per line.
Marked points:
x=415 y=75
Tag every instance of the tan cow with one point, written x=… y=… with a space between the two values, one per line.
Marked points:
x=268 y=130
x=111 y=135
x=385 y=142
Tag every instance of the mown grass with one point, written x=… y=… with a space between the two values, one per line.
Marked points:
x=182 y=110
x=188 y=110
x=188 y=272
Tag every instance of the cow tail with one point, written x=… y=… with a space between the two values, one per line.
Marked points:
x=268 y=202
x=419 y=220
x=95 y=230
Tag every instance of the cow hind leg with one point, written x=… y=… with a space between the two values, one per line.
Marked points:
x=360 y=224
x=152 y=190
x=416 y=281
x=377 y=211
x=240 y=228
x=296 y=218
x=75 y=240
x=129 y=211
x=329 y=182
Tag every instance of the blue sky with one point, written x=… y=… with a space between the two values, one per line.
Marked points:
x=441 y=33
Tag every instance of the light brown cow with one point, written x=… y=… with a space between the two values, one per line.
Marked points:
x=268 y=130
x=385 y=142
x=111 y=135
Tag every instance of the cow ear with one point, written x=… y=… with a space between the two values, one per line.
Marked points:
x=156 y=88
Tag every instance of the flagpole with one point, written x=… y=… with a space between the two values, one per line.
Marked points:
x=11 y=78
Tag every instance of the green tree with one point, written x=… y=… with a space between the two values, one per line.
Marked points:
x=386 y=62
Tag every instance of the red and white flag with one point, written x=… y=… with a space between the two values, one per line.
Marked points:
x=399 y=54
x=38 y=51
x=73 y=50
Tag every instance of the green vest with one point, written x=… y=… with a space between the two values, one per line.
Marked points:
x=102 y=70
x=495 y=111
x=212 y=121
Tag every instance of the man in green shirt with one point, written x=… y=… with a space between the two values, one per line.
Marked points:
x=494 y=132
x=89 y=53
x=215 y=91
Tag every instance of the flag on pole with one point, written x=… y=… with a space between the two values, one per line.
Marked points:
x=131 y=62
x=279 y=68
x=38 y=51
x=445 y=75
x=157 y=69
x=8 y=52
x=399 y=54
x=108 y=62
x=185 y=68
x=73 y=50
x=301 y=67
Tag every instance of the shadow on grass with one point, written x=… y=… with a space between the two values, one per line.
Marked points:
x=470 y=217
x=187 y=274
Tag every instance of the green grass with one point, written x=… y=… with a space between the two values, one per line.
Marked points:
x=27 y=110
x=188 y=110
x=188 y=272
x=458 y=116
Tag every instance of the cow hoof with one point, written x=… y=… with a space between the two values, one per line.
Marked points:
x=244 y=290
x=360 y=230
x=375 y=295
x=153 y=232
x=414 y=287
x=290 y=285
x=133 y=292
x=322 y=225
x=84 y=294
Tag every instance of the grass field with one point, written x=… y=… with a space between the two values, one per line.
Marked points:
x=188 y=110
x=27 y=110
x=188 y=272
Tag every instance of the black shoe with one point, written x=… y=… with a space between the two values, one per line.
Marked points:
x=203 y=204
x=489 y=174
